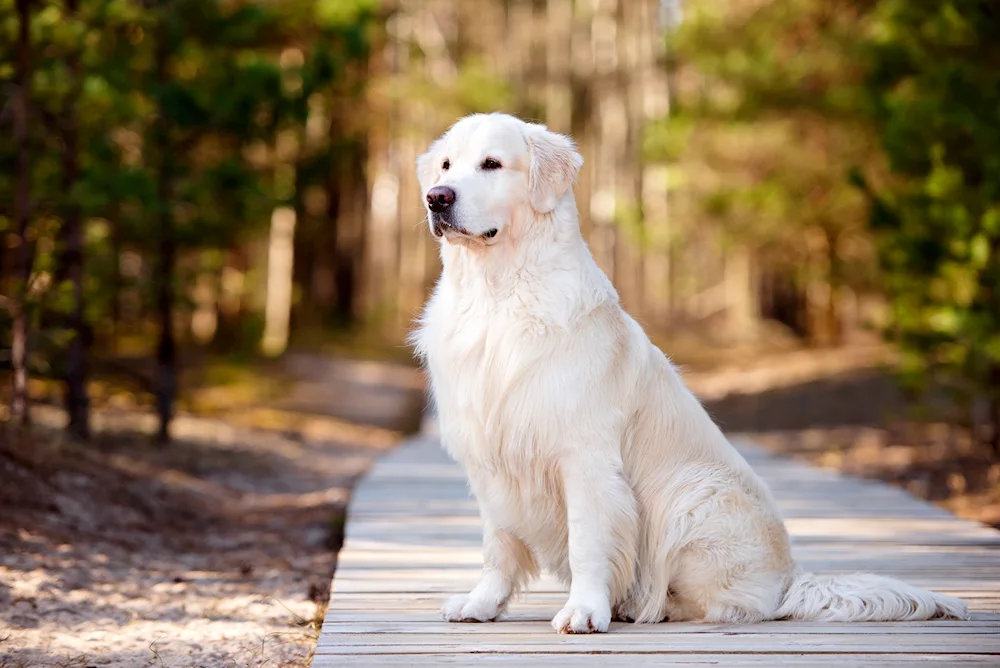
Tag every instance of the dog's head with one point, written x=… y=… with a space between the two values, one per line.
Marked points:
x=489 y=170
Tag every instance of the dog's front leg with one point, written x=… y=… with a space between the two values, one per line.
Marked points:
x=602 y=520
x=507 y=564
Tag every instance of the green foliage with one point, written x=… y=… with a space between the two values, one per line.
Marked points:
x=226 y=89
x=934 y=95
x=783 y=109
x=183 y=113
x=764 y=127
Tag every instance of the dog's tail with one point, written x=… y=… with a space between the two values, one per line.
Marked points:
x=864 y=598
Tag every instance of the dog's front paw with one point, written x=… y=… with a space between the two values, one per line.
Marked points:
x=464 y=608
x=583 y=617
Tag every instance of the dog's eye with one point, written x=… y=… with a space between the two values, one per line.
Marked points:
x=490 y=164
x=446 y=165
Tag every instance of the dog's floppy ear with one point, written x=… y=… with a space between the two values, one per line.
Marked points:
x=554 y=166
x=427 y=166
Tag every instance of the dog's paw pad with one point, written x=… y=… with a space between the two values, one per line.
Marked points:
x=582 y=618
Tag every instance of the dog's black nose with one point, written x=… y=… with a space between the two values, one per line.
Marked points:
x=439 y=198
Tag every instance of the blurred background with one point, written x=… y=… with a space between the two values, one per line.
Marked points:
x=185 y=181
x=209 y=208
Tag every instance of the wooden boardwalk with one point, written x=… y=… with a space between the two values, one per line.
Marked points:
x=413 y=538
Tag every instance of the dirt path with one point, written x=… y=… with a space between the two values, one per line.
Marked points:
x=217 y=550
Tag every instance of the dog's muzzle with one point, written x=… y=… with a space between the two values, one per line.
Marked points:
x=438 y=226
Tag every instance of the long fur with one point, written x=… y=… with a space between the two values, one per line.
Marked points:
x=587 y=454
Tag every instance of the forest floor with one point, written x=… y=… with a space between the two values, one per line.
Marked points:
x=218 y=550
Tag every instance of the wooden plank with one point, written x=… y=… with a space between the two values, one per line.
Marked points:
x=388 y=617
x=664 y=642
x=413 y=537
x=651 y=660
x=427 y=608
x=462 y=583
x=534 y=624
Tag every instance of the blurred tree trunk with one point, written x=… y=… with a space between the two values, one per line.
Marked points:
x=116 y=277
x=655 y=83
x=383 y=216
x=333 y=195
x=230 y=311
x=558 y=44
x=77 y=401
x=628 y=187
x=742 y=292
x=993 y=299
x=166 y=349
x=352 y=198
x=820 y=278
x=306 y=260
x=832 y=321
x=347 y=236
x=19 y=405
x=993 y=415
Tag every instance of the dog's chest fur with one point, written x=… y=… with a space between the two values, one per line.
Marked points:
x=490 y=362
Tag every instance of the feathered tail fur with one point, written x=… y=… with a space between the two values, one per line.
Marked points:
x=864 y=598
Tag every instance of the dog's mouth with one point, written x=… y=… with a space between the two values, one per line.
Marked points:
x=442 y=228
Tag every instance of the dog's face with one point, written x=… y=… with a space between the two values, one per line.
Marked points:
x=490 y=170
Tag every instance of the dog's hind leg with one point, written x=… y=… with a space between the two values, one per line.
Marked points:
x=731 y=579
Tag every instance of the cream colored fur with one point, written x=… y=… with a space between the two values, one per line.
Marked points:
x=587 y=454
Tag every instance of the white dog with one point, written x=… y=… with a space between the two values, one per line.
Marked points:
x=587 y=454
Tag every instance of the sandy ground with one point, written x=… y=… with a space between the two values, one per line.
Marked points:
x=217 y=550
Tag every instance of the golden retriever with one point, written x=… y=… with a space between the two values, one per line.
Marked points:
x=585 y=451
